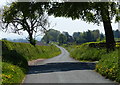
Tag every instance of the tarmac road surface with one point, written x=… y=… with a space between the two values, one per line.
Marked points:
x=64 y=69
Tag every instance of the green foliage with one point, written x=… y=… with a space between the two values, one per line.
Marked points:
x=108 y=64
x=62 y=39
x=11 y=74
x=117 y=44
x=90 y=12
x=69 y=39
x=78 y=37
x=25 y=16
x=51 y=36
x=116 y=33
x=54 y=36
x=16 y=56
x=84 y=52
x=88 y=36
x=87 y=11
x=28 y=51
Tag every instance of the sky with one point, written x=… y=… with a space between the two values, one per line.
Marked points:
x=61 y=24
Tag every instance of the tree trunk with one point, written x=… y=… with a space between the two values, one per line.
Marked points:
x=31 y=40
x=47 y=38
x=110 y=42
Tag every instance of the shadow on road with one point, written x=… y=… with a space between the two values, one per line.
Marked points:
x=59 y=67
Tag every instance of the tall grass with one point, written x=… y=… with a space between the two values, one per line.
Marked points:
x=109 y=63
x=28 y=51
x=11 y=74
x=84 y=52
x=16 y=56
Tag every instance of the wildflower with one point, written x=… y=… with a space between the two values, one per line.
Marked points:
x=111 y=70
x=7 y=76
x=13 y=70
x=106 y=70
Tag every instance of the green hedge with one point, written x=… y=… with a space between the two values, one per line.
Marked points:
x=18 y=55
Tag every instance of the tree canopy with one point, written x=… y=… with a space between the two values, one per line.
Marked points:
x=51 y=36
x=30 y=16
x=95 y=12
x=87 y=11
x=77 y=37
x=62 y=39
x=26 y=16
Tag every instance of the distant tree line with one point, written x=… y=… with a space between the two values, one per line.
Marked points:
x=78 y=37
x=16 y=40
x=88 y=36
x=116 y=33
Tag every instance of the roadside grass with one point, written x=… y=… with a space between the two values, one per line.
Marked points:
x=17 y=55
x=29 y=51
x=11 y=74
x=108 y=63
x=84 y=52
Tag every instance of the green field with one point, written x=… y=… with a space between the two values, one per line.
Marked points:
x=15 y=57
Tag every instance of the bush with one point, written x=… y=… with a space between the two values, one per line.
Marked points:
x=98 y=45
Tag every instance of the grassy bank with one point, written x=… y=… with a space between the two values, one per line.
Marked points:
x=84 y=52
x=109 y=63
x=15 y=57
x=11 y=74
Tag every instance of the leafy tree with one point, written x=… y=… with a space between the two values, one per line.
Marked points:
x=69 y=38
x=76 y=37
x=96 y=34
x=46 y=37
x=51 y=36
x=102 y=36
x=54 y=34
x=87 y=36
x=62 y=39
x=90 y=12
x=25 y=16
x=116 y=33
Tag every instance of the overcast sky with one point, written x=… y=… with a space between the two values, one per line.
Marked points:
x=61 y=24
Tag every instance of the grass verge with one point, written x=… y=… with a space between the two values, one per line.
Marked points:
x=11 y=74
x=15 y=57
x=109 y=63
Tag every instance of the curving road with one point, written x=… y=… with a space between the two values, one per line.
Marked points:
x=63 y=69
